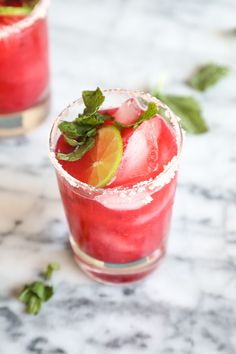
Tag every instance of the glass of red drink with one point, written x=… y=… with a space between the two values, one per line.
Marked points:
x=118 y=233
x=24 y=68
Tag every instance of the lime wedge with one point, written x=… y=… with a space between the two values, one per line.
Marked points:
x=14 y=11
x=105 y=157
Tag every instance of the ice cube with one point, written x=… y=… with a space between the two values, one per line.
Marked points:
x=140 y=157
x=167 y=146
x=128 y=112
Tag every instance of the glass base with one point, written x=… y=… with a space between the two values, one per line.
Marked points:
x=22 y=122
x=116 y=273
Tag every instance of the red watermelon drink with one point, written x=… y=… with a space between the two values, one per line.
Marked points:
x=116 y=158
x=24 y=72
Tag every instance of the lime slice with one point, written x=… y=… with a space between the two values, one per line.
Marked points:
x=105 y=157
x=14 y=11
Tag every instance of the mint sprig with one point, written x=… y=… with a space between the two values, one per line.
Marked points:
x=35 y=294
x=207 y=76
x=81 y=132
x=50 y=269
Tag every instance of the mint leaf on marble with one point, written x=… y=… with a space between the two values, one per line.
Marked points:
x=188 y=109
x=50 y=269
x=35 y=294
x=33 y=306
x=25 y=294
x=206 y=76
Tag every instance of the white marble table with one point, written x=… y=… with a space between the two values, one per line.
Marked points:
x=188 y=306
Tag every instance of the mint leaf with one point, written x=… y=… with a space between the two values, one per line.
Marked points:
x=91 y=132
x=74 y=129
x=38 y=289
x=92 y=100
x=50 y=269
x=25 y=294
x=70 y=128
x=78 y=152
x=207 y=76
x=150 y=112
x=95 y=119
x=189 y=111
x=35 y=294
x=70 y=141
x=79 y=132
x=48 y=293
x=33 y=305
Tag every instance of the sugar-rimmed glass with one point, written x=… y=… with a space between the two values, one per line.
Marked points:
x=118 y=234
x=24 y=72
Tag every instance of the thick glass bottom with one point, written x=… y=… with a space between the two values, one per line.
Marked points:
x=22 y=122
x=116 y=273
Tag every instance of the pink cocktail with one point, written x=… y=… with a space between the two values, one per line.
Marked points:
x=24 y=69
x=118 y=233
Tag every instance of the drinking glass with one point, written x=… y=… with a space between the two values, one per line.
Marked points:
x=24 y=72
x=118 y=235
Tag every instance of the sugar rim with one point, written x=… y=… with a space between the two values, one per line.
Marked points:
x=153 y=184
x=39 y=11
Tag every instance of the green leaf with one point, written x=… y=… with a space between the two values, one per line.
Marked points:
x=70 y=141
x=104 y=117
x=189 y=111
x=150 y=112
x=38 y=289
x=15 y=11
x=78 y=152
x=33 y=305
x=91 y=132
x=50 y=269
x=49 y=292
x=25 y=294
x=69 y=128
x=207 y=76
x=95 y=119
x=92 y=100
x=74 y=130
x=92 y=120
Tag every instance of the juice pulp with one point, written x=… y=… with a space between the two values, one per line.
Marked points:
x=24 y=71
x=129 y=233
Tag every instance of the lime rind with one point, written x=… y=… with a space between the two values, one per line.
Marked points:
x=14 y=11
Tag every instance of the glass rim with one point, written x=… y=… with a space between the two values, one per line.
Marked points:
x=39 y=11
x=153 y=184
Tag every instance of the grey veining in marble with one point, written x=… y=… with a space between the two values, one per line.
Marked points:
x=188 y=306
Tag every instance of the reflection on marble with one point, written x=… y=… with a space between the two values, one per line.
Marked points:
x=188 y=306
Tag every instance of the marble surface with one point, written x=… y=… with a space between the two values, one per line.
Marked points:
x=188 y=306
